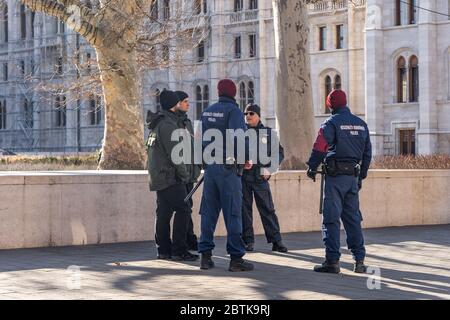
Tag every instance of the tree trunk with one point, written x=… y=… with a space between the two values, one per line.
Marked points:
x=123 y=144
x=112 y=34
x=294 y=96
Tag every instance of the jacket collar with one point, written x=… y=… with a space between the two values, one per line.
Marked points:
x=169 y=114
x=227 y=99
x=341 y=110
x=258 y=126
x=181 y=114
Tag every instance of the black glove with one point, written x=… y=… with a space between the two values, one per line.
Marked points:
x=311 y=174
x=359 y=184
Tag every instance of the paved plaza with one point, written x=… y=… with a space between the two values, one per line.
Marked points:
x=413 y=263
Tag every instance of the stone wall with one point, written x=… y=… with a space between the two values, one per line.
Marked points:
x=89 y=207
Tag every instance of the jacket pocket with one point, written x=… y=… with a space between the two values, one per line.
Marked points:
x=168 y=173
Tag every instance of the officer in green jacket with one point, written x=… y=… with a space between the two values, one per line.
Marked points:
x=168 y=178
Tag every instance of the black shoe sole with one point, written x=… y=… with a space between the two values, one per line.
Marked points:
x=324 y=270
x=280 y=250
x=239 y=269
x=175 y=258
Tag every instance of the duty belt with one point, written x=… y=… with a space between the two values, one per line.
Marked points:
x=335 y=168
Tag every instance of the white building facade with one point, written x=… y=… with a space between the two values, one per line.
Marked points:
x=391 y=57
x=407 y=67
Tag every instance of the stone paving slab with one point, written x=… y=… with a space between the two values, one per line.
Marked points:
x=414 y=263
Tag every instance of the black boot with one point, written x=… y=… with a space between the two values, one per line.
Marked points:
x=360 y=267
x=279 y=246
x=239 y=264
x=206 y=261
x=328 y=267
x=249 y=247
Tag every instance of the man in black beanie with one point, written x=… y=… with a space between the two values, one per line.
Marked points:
x=193 y=169
x=255 y=182
x=169 y=181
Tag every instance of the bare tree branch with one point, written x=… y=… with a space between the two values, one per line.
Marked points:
x=77 y=16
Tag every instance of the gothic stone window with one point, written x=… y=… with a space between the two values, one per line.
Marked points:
x=201 y=100
x=3 y=115
x=414 y=79
x=246 y=93
x=401 y=80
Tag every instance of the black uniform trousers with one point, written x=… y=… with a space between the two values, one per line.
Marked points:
x=264 y=203
x=168 y=201
x=191 y=237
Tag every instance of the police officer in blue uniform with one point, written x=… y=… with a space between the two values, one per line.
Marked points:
x=255 y=182
x=344 y=144
x=222 y=188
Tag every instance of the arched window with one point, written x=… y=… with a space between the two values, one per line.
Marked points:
x=60 y=111
x=412 y=11
x=251 y=92
x=205 y=97
x=5 y=23
x=253 y=5
x=405 y=12
x=95 y=111
x=201 y=100
x=198 y=102
x=23 y=22
x=238 y=5
x=246 y=93
x=28 y=113
x=401 y=7
x=401 y=80
x=414 y=79
x=337 y=82
x=242 y=95
x=328 y=89
x=157 y=100
x=154 y=10
x=198 y=6
x=166 y=10
x=3 y=115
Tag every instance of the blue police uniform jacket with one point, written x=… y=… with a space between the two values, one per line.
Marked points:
x=224 y=115
x=343 y=137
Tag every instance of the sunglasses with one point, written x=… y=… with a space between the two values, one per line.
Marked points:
x=250 y=113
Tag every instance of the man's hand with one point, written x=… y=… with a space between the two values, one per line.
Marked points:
x=311 y=174
x=248 y=165
x=266 y=174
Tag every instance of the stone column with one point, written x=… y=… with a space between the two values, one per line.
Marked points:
x=266 y=67
x=355 y=59
x=427 y=135
x=219 y=45
x=374 y=67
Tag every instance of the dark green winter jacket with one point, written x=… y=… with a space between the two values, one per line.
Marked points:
x=163 y=172
x=194 y=170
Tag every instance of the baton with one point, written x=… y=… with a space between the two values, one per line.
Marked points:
x=189 y=196
x=322 y=184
